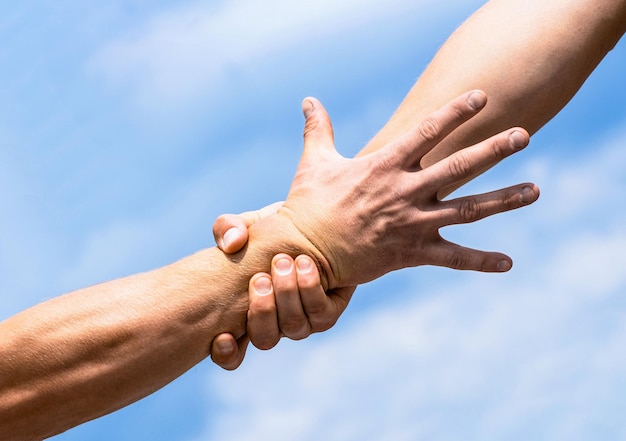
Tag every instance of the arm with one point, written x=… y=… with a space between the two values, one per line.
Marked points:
x=90 y=352
x=426 y=245
x=530 y=56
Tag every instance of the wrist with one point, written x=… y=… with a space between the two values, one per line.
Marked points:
x=278 y=234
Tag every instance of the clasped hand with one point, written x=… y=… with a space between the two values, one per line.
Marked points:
x=374 y=214
x=377 y=213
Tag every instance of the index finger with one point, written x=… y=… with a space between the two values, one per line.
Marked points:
x=409 y=150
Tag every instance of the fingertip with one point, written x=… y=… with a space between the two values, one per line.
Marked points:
x=231 y=241
x=304 y=264
x=477 y=99
x=261 y=284
x=225 y=352
x=318 y=130
x=529 y=193
x=225 y=345
x=519 y=138
x=231 y=232
x=306 y=273
x=283 y=264
x=504 y=265
x=308 y=106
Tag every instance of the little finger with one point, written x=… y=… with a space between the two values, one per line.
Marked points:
x=451 y=255
x=262 y=319
x=317 y=305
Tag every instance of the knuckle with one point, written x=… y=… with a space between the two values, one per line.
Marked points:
x=500 y=148
x=469 y=210
x=310 y=125
x=308 y=281
x=510 y=201
x=264 y=342
x=294 y=327
x=324 y=324
x=460 y=165
x=316 y=311
x=298 y=335
x=261 y=309
x=457 y=261
x=268 y=210
x=429 y=129
x=461 y=113
x=388 y=160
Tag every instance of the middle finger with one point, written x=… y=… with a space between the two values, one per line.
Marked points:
x=468 y=162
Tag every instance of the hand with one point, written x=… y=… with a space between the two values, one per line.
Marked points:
x=290 y=302
x=374 y=214
x=403 y=218
x=295 y=306
x=230 y=231
x=280 y=312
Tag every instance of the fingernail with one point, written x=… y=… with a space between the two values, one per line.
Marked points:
x=230 y=236
x=477 y=100
x=504 y=265
x=528 y=195
x=226 y=346
x=304 y=265
x=517 y=139
x=283 y=266
x=307 y=107
x=263 y=286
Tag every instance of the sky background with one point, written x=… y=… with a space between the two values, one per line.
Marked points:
x=126 y=127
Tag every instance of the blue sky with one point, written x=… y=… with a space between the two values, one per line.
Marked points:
x=127 y=127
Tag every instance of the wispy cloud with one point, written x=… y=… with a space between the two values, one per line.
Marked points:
x=194 y=49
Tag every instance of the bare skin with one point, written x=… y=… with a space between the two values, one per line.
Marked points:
x=531 y=57
x=287 y=303
x=297 y=320
x=398 y=225
x=87 y=353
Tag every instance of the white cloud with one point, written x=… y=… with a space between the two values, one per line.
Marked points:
x=580 y=183
x=192 y=50
x=182 y=224
x=25 y=270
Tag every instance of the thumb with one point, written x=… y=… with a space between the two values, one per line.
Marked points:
x=318 y=130
x=227 y=352
x=230 y=231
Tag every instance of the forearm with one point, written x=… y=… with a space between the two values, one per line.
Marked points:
x=529 y=56
x=90 y=352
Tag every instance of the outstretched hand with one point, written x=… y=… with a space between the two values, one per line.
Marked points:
x=374 y=214
x=385 y=216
